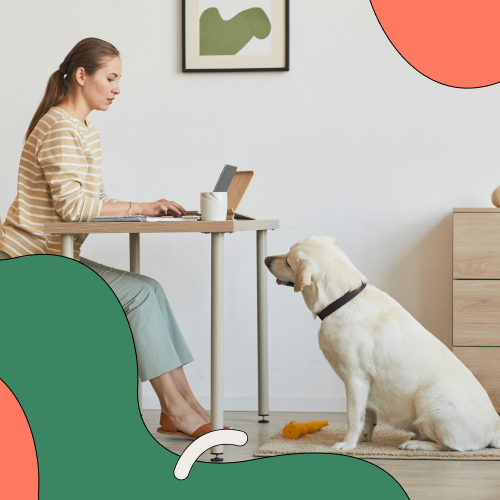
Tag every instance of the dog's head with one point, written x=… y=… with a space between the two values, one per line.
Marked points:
x=318 y=268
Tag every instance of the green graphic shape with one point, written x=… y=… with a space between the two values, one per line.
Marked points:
x=227 y=38
x=66 y=352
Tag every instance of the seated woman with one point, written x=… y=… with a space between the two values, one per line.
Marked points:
x=60 y=180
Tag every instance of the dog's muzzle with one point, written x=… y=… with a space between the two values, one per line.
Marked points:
x=267 y=262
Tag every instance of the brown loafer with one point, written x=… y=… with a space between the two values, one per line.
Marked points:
x=168 y=427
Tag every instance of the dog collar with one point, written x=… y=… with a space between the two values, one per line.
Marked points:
x=340 y=302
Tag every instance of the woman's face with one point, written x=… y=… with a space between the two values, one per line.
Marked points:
x=100 y=90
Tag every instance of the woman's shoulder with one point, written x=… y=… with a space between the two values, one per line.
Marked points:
x=55 y=115
x=58 y=122
x=44 y=125
x=54 y=118
x=61 y=120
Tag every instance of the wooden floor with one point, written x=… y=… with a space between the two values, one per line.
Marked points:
x=421 y=479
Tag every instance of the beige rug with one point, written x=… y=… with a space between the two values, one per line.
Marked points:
x=385 y=444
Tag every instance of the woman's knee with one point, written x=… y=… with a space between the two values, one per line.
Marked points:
x=155 y=285
x=138 y=294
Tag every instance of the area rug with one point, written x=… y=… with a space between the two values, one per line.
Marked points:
x=385 y=444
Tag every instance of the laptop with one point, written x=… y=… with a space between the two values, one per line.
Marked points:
x=235 y=184
x=222 y=185
x=225 y=178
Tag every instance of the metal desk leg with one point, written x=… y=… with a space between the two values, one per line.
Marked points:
x=217 y=326
x=135 y=267
x=262 y=342
x=135 y=253
x=67 y=246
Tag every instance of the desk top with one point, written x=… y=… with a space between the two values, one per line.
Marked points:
x=227 y=226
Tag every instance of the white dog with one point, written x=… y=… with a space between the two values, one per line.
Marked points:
x=393 y=369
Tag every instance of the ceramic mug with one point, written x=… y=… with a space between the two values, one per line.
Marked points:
x=213 y=206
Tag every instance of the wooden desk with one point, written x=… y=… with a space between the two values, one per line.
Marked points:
x=217 y=230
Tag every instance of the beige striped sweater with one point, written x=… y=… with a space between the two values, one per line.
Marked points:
x=59 y=180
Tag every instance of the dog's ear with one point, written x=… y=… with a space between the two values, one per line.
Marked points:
x=302 y=276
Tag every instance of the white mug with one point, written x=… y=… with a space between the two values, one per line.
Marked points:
x=213 y=206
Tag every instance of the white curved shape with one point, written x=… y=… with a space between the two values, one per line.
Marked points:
x=202 y=444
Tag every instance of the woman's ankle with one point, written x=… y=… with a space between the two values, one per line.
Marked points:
x=185 y=418
x=174 y=411
x=196 y=406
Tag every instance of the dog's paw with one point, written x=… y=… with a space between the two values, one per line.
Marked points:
x=409 y=445
x=343 y=447
x=416 y=445
x=422 y=446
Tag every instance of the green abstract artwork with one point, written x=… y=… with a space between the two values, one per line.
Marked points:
x=227 y=38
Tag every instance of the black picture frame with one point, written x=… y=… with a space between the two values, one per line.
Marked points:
x=286 y=66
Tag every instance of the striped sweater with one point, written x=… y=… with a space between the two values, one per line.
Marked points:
x=59 y=180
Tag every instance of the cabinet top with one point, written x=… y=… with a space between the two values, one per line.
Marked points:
x=476 y=210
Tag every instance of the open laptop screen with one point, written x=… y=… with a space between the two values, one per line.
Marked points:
x=225 y=179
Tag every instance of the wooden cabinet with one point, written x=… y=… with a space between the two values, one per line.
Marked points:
x=484 y=363
x=476 y=294
x=476 y=312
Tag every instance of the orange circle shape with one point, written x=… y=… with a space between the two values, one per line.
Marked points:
x=18 y=461
x=453 y=42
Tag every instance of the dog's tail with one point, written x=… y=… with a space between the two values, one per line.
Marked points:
x=495 y=442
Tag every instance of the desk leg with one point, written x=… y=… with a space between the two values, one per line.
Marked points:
x=262 y=342
x=135 y=267
x=217 y=334
x=67 y=246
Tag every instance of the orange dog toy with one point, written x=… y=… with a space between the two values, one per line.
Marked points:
x=295 y=429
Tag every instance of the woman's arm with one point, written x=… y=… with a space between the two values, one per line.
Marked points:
x=113 y=206
x=160 y=207
x=63 y=162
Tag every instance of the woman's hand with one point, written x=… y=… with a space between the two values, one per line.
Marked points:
x=160 y=207
x=157 y=208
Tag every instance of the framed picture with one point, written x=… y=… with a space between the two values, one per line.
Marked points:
x=235 y=35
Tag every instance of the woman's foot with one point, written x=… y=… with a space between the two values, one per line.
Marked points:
x=193 y=403
x=202 y=412
x=185 y=418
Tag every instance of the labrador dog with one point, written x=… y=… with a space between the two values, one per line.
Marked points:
x=394 y=370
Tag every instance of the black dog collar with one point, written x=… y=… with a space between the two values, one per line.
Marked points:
x=340 y=302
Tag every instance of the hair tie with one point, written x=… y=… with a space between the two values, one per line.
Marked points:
x=63 y=69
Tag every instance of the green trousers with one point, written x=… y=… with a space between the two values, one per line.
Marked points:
x=159 y=344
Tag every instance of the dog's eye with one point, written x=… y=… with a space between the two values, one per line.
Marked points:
x=288 y=263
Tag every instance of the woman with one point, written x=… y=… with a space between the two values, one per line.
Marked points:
x=60 y=180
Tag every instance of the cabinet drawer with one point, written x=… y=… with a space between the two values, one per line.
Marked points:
x=476 y=313
x=476 y=246
x=484 y=363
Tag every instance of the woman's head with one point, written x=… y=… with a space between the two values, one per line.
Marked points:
x=87 y=72
x=97 y=89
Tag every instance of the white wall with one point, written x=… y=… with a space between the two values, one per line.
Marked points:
x=352 y=142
